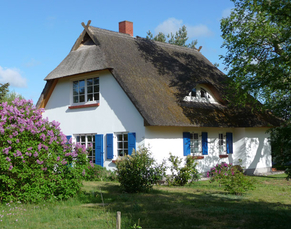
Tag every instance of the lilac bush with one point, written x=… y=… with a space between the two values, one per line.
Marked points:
x=36 y=160
x=231 y=178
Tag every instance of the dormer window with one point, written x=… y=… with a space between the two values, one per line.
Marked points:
x=200 y=94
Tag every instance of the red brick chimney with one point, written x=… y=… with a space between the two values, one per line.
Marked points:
x=126 y=27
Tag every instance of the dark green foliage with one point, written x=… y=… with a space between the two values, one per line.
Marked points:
x=139 y=172
x=257 y=37
x=99 y=173
x=180 y=38
x=3 y=91
x=185 y=174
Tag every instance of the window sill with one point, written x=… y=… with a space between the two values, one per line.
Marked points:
x=84 y=106
x=223 y=156
x=198 y=157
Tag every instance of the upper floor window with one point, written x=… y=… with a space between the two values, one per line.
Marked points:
x=86 y=90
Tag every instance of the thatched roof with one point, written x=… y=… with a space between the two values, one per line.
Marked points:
x=156 y=77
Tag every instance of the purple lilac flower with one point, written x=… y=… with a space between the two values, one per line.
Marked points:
x=30 y=148
x=64 y=162
x=83 y=173
x=23 y=161
x=11 y=167
x=58 y=158
x=39 y=162
x=44 y=169
x=39 y=147
x=45 y=147
x=8 y=159
x=17 y=140
x=35 y=154
x=18 y=153
x=9 y=141
x=10 y=136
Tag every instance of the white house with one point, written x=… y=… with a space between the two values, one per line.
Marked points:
x=119 y=92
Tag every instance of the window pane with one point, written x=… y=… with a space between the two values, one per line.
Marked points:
x=125 y=152
x=119 y=137
x=82 y=91
x=78 y=138
x=203 y=93
x=75 y=84
x=96 y=96
x=120 y=145
x=125 y=137
x=89 y=82
x=193 y=92
x=120 y=153
x=81 y=83
x=90 y=97
x=82 y=98
x=75 y=100
x=96 y=80
x=90 y=89
x=89 y=138
x=75 y=91
x=83 y=138
x=125 y=145
x=96 y=88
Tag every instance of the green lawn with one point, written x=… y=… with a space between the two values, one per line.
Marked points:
x=201 y=205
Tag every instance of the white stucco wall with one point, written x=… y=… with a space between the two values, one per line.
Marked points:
x=116 y=113
x=249 y=144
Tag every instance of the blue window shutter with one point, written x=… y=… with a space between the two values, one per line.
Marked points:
x=68 y=138
x=131 y=142
x=109 y=145
x=186 y=143
x=204 y=143
x=99 y=149
x=229 y=143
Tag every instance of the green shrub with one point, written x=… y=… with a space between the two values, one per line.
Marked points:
x=182 y=175
x=139 y=171
x=99 y=173
x=36 y=161
x=231 y=177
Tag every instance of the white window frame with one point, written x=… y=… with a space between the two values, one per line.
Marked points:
x=221 y=143
x=121 y=145
x=198 y=141
x=86 y=93
x=91 y=155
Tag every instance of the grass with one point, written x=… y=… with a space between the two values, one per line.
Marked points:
x=201 y=205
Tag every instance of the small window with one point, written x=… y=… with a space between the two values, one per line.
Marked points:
x=194 y=143
x=86 y=90
x=221 y=143
x=122 y=144
x=88 y=140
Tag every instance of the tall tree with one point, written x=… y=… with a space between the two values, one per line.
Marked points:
x=3 y=91
x=257 y=37
x=179 y=38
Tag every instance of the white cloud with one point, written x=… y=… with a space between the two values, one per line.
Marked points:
x=172 y=25
x=12 y=76
x=226 y=12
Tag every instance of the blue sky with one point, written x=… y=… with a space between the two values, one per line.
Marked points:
x=37 y=35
